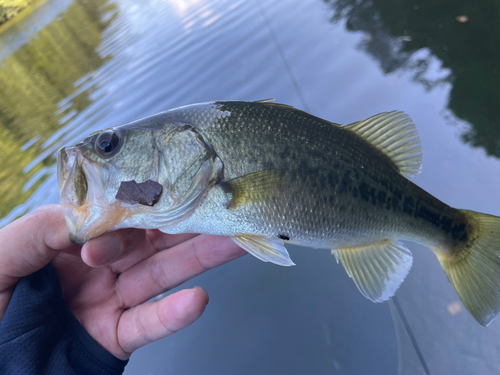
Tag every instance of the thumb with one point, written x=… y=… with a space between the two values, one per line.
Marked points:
x=31 y=242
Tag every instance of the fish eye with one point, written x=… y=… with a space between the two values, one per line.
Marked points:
x=108 y=143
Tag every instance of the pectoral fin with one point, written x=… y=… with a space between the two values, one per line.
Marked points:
x=378 y=269
x=265 y=248
x=254 y=187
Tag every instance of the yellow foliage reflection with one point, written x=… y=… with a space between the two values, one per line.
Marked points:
x=33 y=80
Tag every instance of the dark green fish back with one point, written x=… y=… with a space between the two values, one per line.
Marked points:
x=340 y=183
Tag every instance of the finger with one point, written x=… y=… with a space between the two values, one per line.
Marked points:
x=168 y=269
x=5 y=297
x=154 y=320
x=112 y=246
x=161 y=241
x=31 y=242
x=126 y=247
x=156 y=241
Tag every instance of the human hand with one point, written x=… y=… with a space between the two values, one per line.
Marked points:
x=107 y=282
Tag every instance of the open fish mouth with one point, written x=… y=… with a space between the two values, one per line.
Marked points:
x=73 y=184
x=81 y=193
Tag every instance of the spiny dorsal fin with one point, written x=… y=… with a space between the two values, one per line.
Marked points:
x=378 y=269
x=265 y=101
x=286 y=107
x=395 y=135
x=271 y=103
x=265 y=248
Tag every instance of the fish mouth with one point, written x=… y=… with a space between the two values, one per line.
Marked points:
x=80 y=193
x=73 y=184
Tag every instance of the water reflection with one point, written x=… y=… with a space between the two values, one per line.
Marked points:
x=438 y=42
x=35 y=79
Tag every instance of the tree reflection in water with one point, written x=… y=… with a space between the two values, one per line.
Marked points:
x=34 y=80
x=415 y=35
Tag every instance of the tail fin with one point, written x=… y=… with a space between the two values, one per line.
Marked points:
x=474 y=271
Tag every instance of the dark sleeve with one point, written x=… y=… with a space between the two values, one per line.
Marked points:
x=39 y=335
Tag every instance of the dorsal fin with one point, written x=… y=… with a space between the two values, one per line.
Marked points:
x=265 y=101
x=395 y=135
x=271 y=103
x=286 y=107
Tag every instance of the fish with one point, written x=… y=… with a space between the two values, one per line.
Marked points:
x=266 y=174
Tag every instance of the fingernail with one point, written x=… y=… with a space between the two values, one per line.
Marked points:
x=208 y=297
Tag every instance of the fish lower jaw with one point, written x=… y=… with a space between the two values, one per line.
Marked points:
x=91 y=220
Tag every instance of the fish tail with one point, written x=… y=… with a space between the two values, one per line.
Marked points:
x=473 y=268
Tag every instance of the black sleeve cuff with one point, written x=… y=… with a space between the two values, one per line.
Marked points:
x=39 y=335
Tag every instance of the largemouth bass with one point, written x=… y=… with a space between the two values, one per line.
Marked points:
x=265 y=174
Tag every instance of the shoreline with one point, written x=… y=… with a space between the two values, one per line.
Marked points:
x=9 y=9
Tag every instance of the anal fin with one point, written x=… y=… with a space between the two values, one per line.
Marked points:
x=377 y=269
x=265 y=248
